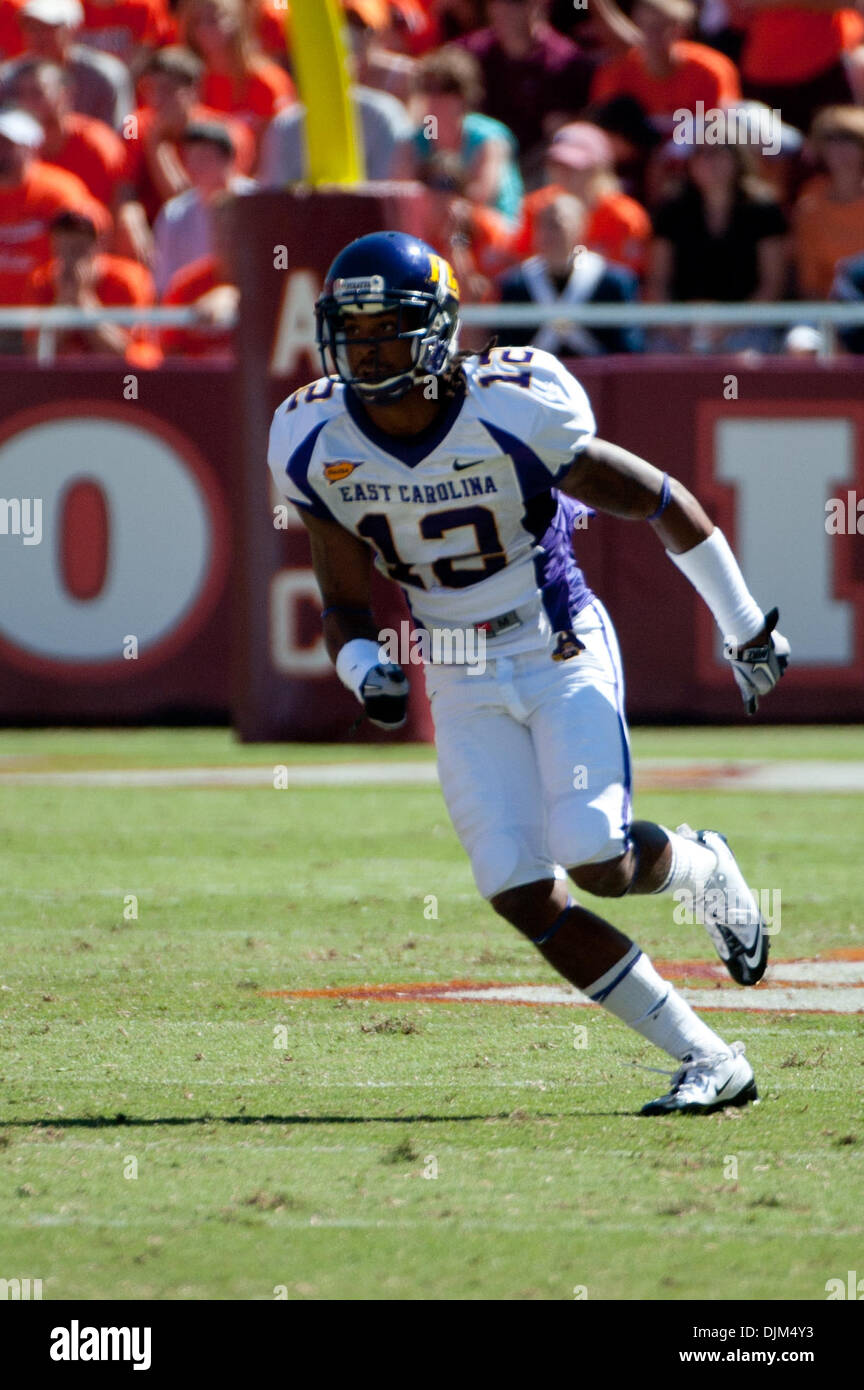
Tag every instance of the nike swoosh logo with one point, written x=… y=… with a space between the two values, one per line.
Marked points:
x=723 y=1087
x=472 y=463
x=753 y=955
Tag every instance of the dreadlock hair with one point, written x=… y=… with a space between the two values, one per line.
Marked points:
x=453 y=378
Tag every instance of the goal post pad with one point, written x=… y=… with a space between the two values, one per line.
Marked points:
x=315 y=33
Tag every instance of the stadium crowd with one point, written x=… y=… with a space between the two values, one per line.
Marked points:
x=656 y=150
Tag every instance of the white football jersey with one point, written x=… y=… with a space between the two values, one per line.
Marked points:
x=466 y=516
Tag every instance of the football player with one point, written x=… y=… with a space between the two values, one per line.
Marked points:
x=463 y=475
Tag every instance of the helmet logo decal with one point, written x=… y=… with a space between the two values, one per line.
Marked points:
x=441 y=273
x=346 y=287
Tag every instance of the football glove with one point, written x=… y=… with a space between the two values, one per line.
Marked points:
x=384 y=693
x=758 y=669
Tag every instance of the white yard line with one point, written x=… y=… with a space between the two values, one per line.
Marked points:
x=815 y=972
x=798 y=1000
x=317 y=775
x=651 y=773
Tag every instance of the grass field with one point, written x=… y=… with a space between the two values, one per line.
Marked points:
x=169 y=1130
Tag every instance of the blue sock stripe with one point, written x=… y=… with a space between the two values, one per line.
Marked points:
x=598 y=998
x=649 y=1013
x=559 y=922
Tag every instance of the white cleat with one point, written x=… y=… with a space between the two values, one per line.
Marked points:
x=730 y=913
x=702 y=1085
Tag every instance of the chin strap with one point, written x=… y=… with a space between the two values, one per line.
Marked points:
x=380 y=395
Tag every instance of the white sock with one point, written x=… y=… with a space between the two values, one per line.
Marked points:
x=692 y=864
x=634 y=992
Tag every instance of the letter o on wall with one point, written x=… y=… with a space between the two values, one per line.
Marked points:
x=134 y=541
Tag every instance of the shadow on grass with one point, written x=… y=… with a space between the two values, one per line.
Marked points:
x=121 y=1120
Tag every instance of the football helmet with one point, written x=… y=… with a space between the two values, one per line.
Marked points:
x=381 y=272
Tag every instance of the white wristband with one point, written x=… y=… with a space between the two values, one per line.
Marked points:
x=355 y=661
x=715 y=574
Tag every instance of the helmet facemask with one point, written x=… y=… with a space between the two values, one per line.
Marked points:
x=420 y=320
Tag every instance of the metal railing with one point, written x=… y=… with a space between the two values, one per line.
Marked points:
x=47 y=321
x=825 y=316
x=670 y=315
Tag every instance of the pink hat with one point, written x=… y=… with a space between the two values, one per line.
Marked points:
x=581 y=145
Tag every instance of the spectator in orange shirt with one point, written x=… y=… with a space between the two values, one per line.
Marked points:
x=238 y=79
x=83 y=146
x=124 y=27
x=580 y=161
x=266 y=19
x=829 y=213
x=476 y=240
x=411 y=27
x=796 y=57
x=207 y=284
x=79 y=274
x=666 y=72
x=169 y=85
x=31 y=196
x=101 y=84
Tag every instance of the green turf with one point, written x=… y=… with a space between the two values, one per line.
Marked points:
x=267 y=1161
x=67 y=749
